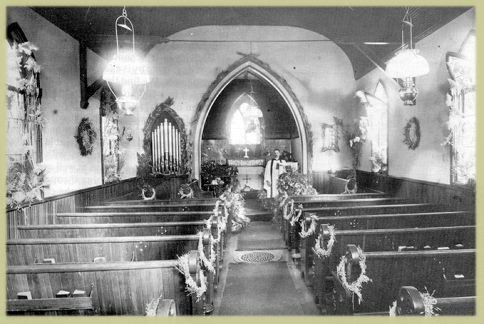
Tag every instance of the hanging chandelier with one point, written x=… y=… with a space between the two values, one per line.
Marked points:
x=126 y=74
x=407 y=64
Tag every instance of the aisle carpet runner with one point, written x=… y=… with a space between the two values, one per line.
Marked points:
x=260 y=289
x=260 y=236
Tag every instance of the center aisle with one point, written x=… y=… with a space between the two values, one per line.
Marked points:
x=259 y=278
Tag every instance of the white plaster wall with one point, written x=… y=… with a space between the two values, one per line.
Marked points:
x=429 y=161
x=58 y=56
x=319 y=73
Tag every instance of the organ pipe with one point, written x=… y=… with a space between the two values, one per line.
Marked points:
x=153 y=151
x=165 y=152
x=166 y=148
x=162 y=149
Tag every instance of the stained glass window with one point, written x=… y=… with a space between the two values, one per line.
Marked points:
x=246 y=121
x=461 y=100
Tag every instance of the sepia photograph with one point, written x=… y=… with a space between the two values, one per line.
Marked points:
x=240 y=160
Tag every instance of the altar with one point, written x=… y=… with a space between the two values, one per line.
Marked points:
x=251 y=172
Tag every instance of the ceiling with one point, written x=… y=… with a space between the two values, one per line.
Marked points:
x=349 y=27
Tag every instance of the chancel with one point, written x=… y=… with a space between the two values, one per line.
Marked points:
x=241 y=161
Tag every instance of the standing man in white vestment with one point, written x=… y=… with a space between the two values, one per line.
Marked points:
x=274 y=168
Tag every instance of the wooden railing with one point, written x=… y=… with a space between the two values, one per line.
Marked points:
x=44 y=212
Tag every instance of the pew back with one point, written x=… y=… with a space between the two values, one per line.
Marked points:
x=435 y=270
x=119 y=288
x=110 y=229
x=86 y=249
x=132 y=217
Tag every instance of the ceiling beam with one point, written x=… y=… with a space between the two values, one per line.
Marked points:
x=86 y=91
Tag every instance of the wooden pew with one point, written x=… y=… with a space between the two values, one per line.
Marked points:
x=123 y=229
x=355 y=222
x=411 y=302
x=128 y=217
x=119 y=288
x=303 y=203
x=322 y=197
x=193 y=201
x=111 y=229
x=85 y=249
x=436 y=270
x=306 y=201
x=387 y=239
x=292 y=232
x=201 y=206
x=375 y=209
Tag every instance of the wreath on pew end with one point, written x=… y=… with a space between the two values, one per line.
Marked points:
x=86 y=136
x=152 y=306
x=288 y=204
x=321 y=252
x=355 y=286
x=191 y=285
x=148 y=188
x=206 y=262
x=221 y=222
x=297 y=215
x=351 y=186
x=186 y=191
x=312 y=227
x=429 y=303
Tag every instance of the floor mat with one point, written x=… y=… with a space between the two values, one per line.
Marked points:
x=258 y=256
x=260 y=289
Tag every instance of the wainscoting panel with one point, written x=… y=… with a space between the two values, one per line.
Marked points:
x=418 y=190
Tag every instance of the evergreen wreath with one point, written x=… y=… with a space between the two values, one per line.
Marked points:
x=86 y=136
x=412 y=140
x=356 y=286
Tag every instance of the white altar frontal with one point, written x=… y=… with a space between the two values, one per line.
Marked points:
x=251 y=172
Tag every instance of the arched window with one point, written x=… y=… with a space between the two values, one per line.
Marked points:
x=246 y=123
x=461 y=100
x=23 y=98
x=377 y=112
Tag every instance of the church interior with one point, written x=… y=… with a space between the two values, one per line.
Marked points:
x=230 y=161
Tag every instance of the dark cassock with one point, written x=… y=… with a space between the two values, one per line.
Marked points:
x=274 y=168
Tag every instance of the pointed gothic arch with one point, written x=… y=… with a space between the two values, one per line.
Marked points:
x=250 y=64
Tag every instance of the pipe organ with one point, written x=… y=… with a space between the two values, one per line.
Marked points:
x=165 y=148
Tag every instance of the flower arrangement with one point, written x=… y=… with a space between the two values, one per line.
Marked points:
x=86 y=136
x=25 y=182
x=113 y=164
x=234 y=201
x=221 y=173
x=295 y=184
x=378 y=163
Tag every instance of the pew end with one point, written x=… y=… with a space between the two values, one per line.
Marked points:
x=411 y=302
